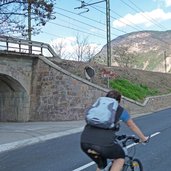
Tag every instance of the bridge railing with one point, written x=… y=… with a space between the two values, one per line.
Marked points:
x=11 y=44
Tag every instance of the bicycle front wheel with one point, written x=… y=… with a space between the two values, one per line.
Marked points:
x=135 y=165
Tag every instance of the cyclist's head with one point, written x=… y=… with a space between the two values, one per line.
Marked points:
x=114 y=94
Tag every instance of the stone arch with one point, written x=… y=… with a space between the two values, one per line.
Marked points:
x=14 y=100
x=17 y=75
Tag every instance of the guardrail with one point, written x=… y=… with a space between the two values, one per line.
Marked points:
x=11 y=44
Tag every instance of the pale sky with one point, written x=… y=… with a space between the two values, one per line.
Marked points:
x=125 y=16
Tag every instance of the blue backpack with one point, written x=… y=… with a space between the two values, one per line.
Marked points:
x=103 y=112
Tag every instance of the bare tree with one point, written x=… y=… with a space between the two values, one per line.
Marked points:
x=13 y=15
x=59 y=48
x=80 y=47
x=74 y=48
x=83 y=50
x=90 y=52
x=123 y=57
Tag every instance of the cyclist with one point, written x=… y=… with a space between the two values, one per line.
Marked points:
x=99 y=144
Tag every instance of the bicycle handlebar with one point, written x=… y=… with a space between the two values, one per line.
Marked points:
x=124 y=139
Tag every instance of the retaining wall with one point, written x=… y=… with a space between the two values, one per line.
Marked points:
x=59 y=95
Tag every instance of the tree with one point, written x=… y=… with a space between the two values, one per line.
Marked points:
x=83 y=50
x=80 y=47
x=14 y=12
x=60 y=48
x=123 y=57
x=74 y=48
x=91 y=50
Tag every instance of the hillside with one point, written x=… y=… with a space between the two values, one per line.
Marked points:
x=154 y=80
x=146 y=50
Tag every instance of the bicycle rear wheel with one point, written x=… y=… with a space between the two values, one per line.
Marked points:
x=135 y=165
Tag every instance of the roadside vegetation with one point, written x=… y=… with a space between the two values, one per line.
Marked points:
x=131 y=90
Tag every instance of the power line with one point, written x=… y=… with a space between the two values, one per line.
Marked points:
x=79 y=25
x=136 y=28
x=160 y=25
x=139 y=10
x=129 y=25
x=90 y=19
x=99 y=23
x=79 y=15
x=85 y=5
x=99 y=29
x=120 y=21
x=83 y=23
x=146 y=18
x=76 y=29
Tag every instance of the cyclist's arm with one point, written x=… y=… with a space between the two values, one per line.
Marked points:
x=125 y=117
x=131 y=124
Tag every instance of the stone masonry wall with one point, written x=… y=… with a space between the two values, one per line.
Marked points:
x=59 y=95
x=15 y=78
x=36 y=89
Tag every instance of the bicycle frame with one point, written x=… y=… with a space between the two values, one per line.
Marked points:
x=128 y=158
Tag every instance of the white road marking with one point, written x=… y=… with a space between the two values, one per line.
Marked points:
x=84 y=166
x=154 y=134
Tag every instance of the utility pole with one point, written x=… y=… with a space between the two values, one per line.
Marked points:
x=108 y=34
x=29 y=20
x=29 y=26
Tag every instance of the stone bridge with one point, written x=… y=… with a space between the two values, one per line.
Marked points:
x=34 y=88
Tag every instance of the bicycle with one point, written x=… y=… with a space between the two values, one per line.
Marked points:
x=131 y=163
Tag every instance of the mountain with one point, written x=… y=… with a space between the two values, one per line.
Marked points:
x=146 y=50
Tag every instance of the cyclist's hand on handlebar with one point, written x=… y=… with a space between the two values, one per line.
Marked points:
x=146 y=140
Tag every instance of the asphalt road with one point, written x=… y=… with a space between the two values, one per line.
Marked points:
x=64 y=154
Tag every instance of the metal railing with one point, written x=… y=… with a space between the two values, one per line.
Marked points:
x=11 y=44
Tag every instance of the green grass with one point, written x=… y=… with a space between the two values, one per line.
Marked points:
x=131 y=90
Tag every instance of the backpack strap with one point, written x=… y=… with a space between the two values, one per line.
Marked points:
x=118 y=113
x=117 y=117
